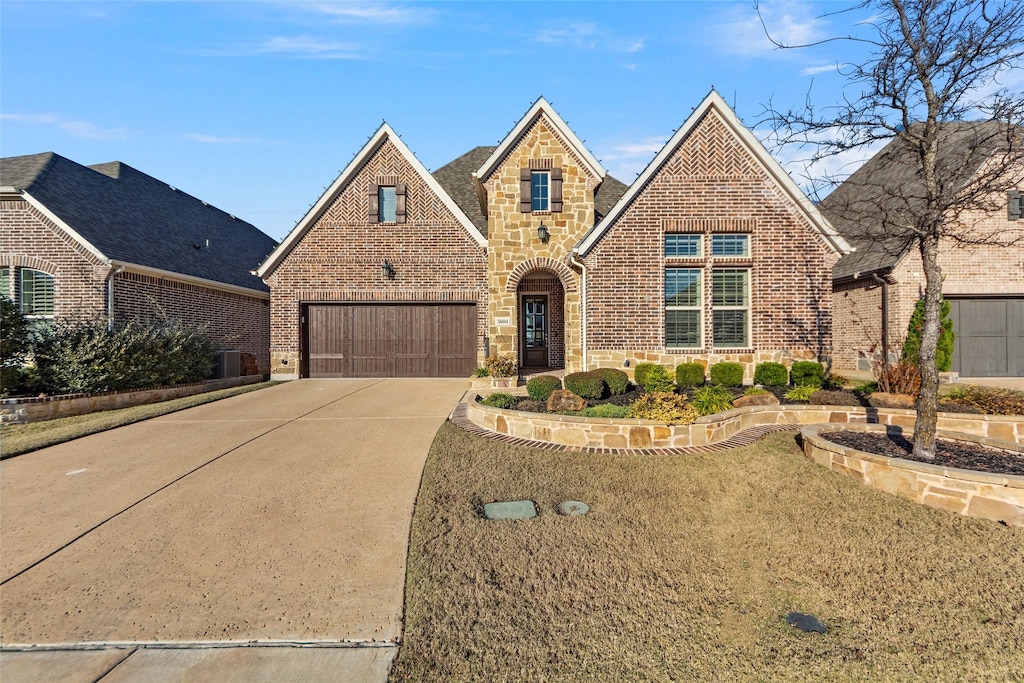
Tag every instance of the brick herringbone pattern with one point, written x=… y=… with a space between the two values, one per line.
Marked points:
x=743 y=438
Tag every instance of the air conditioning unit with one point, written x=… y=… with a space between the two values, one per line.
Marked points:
x=228 y=364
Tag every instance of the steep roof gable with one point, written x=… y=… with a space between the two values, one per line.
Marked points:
x=126 y=217
x=714 y=102
x=540 y=108
x=383 y=135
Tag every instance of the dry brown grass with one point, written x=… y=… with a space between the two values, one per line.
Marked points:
x=685 y=567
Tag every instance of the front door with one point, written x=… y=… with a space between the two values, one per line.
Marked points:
x=535 y=331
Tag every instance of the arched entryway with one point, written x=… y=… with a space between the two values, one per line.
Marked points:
x=540 y=301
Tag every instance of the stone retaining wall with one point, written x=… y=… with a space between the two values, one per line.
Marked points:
x=997 y=497
x=36 y=409
x=625 y=433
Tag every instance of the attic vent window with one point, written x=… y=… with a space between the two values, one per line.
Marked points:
x=1014 y=212
x=388 y=203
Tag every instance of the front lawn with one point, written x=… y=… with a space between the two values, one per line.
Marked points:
x=685 y=568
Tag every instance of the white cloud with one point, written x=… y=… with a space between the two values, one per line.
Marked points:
x=789 y=22
x=818 y=176
x=587 y=35
x=367 y=12
x=220 y=140
x=80 y=129
x=626 y=160
x=302 y=46
x=815 y=70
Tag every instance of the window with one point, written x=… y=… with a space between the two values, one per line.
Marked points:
x=730 y=246
x=540 y=186
x=387 y=202
x=36 y=293
x=682 y=246
x=730 y=304
x=683 y=303
x=5 y=282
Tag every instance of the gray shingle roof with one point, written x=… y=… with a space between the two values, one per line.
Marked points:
x=868 y=209
x=135 y=218
x=456 y=177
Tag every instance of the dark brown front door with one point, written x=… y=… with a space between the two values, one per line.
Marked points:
x=535 y=331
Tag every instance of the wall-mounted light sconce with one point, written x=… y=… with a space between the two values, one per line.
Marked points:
x=542 y=233
x=387 y=270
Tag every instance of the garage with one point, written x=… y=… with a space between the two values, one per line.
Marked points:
x=989 y=337
x=389 y=340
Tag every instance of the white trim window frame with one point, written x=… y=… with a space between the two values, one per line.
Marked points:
x=35 y=293
x=6 y=284
x=730 y=245
x=540 y=192
x=388 y=203
x=730 y=308
x=684 y=245
x=684 y=308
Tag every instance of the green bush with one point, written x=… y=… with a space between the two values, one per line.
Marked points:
x=585 y=384
x=605 y=410
x=771 y=374
x=654 y=378
x=944 y=350
x=14 y=346
x=711 y=399
x=482 y=372
x=90 y=356
x=663 y=406
x=727 y=374
x=807 y=373
x=689 y=374
x=834 y=383
x=540 y=387
x=616 y=380
x=754 y=391
x=499 y=400
x=502 y=366
x=802 y=392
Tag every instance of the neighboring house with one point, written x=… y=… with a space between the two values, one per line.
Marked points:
x=530 y=248
x=107 y=240
x=983 y=283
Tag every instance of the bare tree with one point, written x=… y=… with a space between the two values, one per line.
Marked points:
x=930 y=66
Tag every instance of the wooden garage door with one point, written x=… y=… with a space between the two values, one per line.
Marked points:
x=989 y=337
x=395 y=340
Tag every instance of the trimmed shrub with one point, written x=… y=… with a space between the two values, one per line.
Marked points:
x=502 y=366
x=540 y=387
x=824 y=397
x=805 y=373
x=711 y=399
x=585 y=384
x=801 y=393
x=663 y=406
x=727 y=374
x=689 y=374
x=605 y=410
x=771 y=374
x=616 y=380
x=944 y=350
x=499 y=400
x=88 y=356
x=655 y=378
x=641 y=371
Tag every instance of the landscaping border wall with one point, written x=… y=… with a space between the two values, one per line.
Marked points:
x=39 y=408
x=593 y=432
x=999 y=497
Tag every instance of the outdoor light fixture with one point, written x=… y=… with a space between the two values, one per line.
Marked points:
x=387 y=270
x=542 y=233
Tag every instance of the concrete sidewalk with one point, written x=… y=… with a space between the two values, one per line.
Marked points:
x=278 y=518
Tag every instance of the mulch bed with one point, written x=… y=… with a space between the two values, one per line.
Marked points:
x=960 y=454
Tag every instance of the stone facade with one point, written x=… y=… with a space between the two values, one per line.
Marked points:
x=339 y=258
x=711 y=184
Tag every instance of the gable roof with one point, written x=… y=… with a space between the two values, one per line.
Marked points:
x=764 y=159
x=867 y=208
x=540 y=108
x=126 y=217
x=383 y=135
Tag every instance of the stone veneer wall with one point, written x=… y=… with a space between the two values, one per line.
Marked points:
x=711 y=184
x=998 y=497
x=513 y=248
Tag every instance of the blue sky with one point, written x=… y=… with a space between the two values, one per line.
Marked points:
x=256 y=106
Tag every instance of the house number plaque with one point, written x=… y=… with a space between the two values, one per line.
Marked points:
x=499 y=322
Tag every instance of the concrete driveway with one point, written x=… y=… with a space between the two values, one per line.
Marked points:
x=276 y=520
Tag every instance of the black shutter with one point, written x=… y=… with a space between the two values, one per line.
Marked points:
x=525 y=200
x=374 y=213
x=400 y=190
x=556 y=190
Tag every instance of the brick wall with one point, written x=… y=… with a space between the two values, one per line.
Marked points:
x=711 y=184
x=339 y=258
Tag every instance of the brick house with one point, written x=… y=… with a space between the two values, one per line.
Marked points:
x=108 y=240
x=530 y=248
x=983 y=283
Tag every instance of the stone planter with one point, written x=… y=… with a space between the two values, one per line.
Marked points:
x=998 y=497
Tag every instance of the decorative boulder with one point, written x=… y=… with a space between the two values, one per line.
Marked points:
x=767 y=399
x=563 y=401
x=880 y=399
